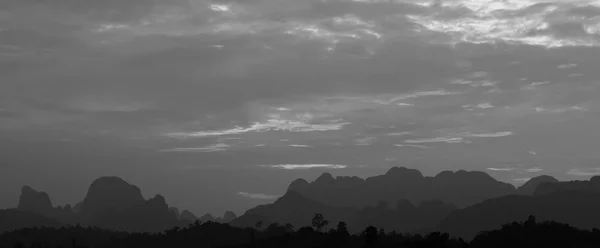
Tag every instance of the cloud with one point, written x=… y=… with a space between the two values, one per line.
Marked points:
x=534 y=85
x=472 y=83
x=270 y=125
x=388 y=99
x=560 y=110
x=294 y=145
x=305 y=166
x=513 y=22
x=259 y=196
x=458 y=138
x=418 y=94
x=484 y=105
x=534 y=170
x=501 y=169
x=212 y=148
x=398 y=134
x=365 y=141
x=566 y=66
x=584 y=172
x=571 y=75
x=436 y=140
x=487 y=135
x=413 y=146
x=518 y=170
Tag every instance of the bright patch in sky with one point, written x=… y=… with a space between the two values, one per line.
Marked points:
x=306 y=166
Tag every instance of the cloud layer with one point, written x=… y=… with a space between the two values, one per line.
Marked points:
x=255 y=81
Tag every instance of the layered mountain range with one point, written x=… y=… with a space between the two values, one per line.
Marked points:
x=111 y=203
x=462 y=203
x=461 y=188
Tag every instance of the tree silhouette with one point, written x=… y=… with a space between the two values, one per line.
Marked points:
x=318 y=222
x=370 y=234
x=258 y=225
x=342 y=228
x=530 y=221
x=289 y=227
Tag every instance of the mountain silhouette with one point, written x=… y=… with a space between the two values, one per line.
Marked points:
x=460 y=188
x=111 y=193
x=402 y=200
x=32 y=201
x=531 y=185
x=110 y=203
x=113 y=203
x=295 y=209
x=13 y=219
x=548 y=188
x=576 y=208
x=207 y=217
x=228 y=217
x=176 y=212
x=188 y=216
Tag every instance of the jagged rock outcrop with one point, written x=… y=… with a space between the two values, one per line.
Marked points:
x=531 y=185
x=34 y=201
x=111 y=194
x=115 y=204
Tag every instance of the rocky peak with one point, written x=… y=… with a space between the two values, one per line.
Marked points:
x=112 y=193
x=207 y=217
x=530 y=186
x=158 y=202
x=403 y=172
x=298 y=185
x=34 y=201
x=325 y=178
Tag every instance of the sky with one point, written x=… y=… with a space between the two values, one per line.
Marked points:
x=218 y=105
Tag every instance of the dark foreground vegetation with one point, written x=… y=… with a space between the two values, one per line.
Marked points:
x=525 y=234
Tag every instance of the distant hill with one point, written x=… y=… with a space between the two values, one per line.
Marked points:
x=114 y=204
x=460 y=188
x=32 y=201
x=552 y=187
x=13 y=219
x=531 y=185
x=297 y=210
x=576 y=208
